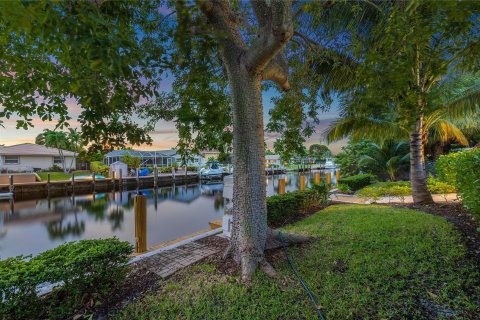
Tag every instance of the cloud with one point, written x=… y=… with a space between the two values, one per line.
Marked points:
x=162 y=132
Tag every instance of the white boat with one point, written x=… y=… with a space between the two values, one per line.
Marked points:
x=329 y=164
x=6 y=195
x=213 y=171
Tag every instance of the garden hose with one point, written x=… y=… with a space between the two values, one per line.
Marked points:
x=304 y=285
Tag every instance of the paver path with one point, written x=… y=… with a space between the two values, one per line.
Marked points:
x=168 y=262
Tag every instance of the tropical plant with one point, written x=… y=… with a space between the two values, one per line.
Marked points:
x=348 y=160
x=70 y=141
x=414 y=48
x=131 y=161
x=386 y=159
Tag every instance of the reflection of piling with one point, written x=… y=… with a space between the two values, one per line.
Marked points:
x=317 y=178
x=281 y=186
x=329 y=177
x=337 y=176
x=303 y=182
x=140 y=208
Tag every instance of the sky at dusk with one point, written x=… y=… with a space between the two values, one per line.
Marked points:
x=165 y=135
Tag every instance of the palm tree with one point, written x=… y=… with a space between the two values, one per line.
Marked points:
x=40 y=139
x=387 y=158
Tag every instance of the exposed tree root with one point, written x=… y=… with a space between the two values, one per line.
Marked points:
x=249 y=263
x=275 y=238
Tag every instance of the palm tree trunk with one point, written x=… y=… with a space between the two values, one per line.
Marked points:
x=418 y=177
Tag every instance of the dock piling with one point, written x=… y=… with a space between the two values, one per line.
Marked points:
x=93 y=182
x=12 y=186
x=140 y=207
x=155 y=176
x=303 y=182
x=281 y=186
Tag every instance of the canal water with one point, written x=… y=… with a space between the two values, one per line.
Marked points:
x=28 y=227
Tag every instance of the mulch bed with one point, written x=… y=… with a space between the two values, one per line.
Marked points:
x=459 y=217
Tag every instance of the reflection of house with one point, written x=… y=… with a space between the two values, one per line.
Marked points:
x=161 y=158
x=29 y=156
x=273 y=160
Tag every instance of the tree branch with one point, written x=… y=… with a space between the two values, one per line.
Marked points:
x=276 y=28
x=277 y=71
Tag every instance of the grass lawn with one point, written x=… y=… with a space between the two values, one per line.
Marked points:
x=54 y=176
x=371 y=262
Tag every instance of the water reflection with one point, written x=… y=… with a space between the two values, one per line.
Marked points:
x=33 y=226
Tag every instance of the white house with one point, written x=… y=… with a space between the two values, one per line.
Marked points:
x=31 y=157
x=273 y=160
x=161 y=158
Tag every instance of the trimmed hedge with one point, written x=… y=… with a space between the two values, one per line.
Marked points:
x=87 y=270
x=463 y=169
x=290 y=204
x=358 y=181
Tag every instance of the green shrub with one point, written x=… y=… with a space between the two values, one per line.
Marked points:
x=467 y=180
x=344 y=188
x=99 y=168
x=88 y=269
x=165 y=169
x=439 y=187
x=358 y=181
x=445 y=167
x=461 y=169
x=191 y=168
x=290 y=204
x=378 y=190
x=55 y=168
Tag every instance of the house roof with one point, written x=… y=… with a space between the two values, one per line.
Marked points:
x=140 y=153
x=31 y=149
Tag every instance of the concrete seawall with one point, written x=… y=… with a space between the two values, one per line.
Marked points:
x=38 y=190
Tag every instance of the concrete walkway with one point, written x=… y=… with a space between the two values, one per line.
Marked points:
x=451 y=197
x=167 y=262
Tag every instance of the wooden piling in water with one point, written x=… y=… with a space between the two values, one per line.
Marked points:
x=48 y=183
x=120 y=181
x=12 y=186
x=73 y=183
x=155 y=176
x=303 y=182
x=93 y=182
x=138 y=178
x=281 y=186
x=113 y=180
x=140 y=208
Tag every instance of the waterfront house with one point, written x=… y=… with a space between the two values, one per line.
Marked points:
x=150 y=158
x=28 y=157
x=272 y=160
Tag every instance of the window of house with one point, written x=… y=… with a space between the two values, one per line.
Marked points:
x=12 y=160
x=57 y=160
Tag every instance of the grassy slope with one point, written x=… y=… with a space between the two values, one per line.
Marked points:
x=371 y=262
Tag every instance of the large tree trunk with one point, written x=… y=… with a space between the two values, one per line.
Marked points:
x=246 y=67
x=249 y=191
x=418 y=177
